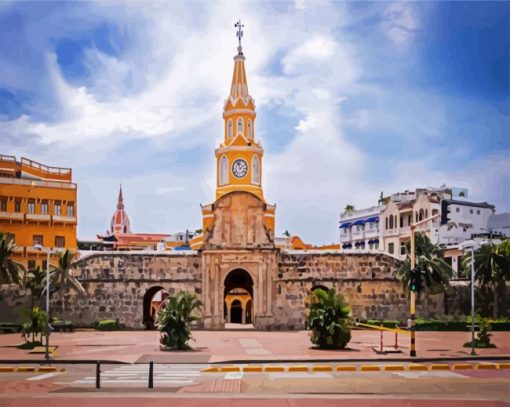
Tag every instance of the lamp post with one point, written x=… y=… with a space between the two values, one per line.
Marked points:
x=48 y=326
x=412 y=352
x=471 y=244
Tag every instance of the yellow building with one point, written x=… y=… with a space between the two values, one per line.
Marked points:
x=37 y=206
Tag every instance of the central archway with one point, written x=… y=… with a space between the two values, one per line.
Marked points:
x=238 y=297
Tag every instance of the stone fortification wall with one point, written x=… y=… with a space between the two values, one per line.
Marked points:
x=367 y=282
x=116 y=284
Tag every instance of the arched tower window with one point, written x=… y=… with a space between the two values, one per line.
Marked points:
x=240 y=126
x=391 y=222
x=250 y=130
x=255 y=170
x=224 y=170
x=229 y=129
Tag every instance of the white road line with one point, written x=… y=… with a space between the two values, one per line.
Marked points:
x=43 y=376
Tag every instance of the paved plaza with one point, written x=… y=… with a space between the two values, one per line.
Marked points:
x=245 y=345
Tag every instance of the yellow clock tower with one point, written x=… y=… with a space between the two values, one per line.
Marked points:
x=239 y=157
x=238 y=168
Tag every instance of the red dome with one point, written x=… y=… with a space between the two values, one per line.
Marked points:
x=120 y=220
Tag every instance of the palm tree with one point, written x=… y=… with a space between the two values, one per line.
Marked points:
x=35 y=280
x=61 y=276
x=11 y=272
x=492 y=268
x=435 y=272
x=175 y=318
x=349 y=208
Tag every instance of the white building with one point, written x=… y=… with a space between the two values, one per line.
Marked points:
x=360 y=231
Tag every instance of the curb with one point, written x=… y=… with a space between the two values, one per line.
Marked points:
x=361 y=368
x=30 y=369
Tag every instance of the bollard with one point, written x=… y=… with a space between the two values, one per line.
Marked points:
x=98 y=375
x=396 y=337
x=382 y=340
x=151 y=372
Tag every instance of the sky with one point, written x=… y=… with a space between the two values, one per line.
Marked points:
x=352 y=99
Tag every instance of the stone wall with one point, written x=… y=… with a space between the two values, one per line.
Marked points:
x=117 y=283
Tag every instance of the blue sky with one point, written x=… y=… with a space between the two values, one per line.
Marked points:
x=352 y=99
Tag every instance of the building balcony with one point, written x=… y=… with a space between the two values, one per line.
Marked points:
x=371 y=233
x=356 y=235
x=37 y=217
x=33 y=168
x=345 y=237
x=64 y=219
x=404 y=230
x=390 y=232
x=37 y=183
x=12 y=216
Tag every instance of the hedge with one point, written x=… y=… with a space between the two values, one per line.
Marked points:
x=109 y=325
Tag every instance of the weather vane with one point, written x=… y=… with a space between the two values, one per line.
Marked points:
x=239 y=33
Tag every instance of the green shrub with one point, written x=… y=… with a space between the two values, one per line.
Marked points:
x=483 y=337
x=109 y=325
x=329 y=320
x=33 y=329
x=174 y=320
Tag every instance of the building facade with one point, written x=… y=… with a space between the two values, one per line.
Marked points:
x=38 y=206
x=360 y=230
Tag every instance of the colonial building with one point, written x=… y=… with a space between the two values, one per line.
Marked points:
x=37 y=207
x=360 y=230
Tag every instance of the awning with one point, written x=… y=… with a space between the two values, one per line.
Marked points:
x=370 y=241
x=359 y=222
x=346 y=246
x=376 y=241
x=345 y=225
x=373 y=219
x=359 y=244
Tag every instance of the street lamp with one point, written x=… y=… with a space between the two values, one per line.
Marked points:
x=48 y=252
x=471 y=244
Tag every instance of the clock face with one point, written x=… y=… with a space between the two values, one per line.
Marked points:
x=239 y=168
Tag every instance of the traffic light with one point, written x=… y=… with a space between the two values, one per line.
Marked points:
x=415 y=283
x=445 y=212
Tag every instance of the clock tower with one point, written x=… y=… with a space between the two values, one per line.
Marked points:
x=239 y=157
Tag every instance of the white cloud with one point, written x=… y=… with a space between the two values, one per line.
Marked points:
x=400 y=23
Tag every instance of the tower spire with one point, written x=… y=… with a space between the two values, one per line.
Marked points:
x=120 y=201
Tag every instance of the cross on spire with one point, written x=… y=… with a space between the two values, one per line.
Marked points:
x=239 y=34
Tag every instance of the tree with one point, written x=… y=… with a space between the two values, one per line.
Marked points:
x=349 y=208
x=433 y=272
x=381 y=199
x=286 y=233
x=11 y=272
x=492 y=268
x=61 y=277
x=174 y=320
x=35 y=281
x=328 y=320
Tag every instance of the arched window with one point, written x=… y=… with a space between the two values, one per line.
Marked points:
x=229 y=129
x=250 y=131
x=255 y=170
x=391 y=222
x=421 y=215
x=223 y=170
x=240 y=126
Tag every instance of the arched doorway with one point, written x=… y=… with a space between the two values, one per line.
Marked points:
x=238 y=297
x=152 y=301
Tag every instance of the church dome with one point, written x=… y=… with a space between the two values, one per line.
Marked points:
x=120 y=220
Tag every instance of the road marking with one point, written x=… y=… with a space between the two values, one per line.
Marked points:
x=436 y=373
x=43 y=376
x=234 y=376
x=299 y=375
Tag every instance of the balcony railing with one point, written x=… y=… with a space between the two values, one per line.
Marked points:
x=38 y=217
x=64 y=219
x=12 y=215
x=39 y=183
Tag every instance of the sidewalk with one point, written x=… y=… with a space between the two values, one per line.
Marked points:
x=223 y=346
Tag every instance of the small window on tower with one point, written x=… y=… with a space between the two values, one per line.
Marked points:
x=255 y=170
x=229 y=129
x=240 y=126
x=223 y=171
x=250 y=131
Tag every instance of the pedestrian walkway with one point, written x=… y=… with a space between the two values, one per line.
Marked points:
x=168 y=375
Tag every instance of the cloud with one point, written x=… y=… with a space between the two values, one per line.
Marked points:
x=151 y=114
